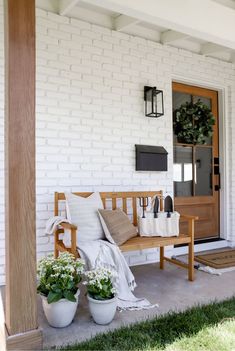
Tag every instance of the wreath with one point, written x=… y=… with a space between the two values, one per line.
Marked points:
x=193 y=123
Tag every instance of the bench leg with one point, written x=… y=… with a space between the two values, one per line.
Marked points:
x=56 y=252
x=190 y=262
x=162 y=257
x=74 y=250
x=191 y=252
x=56 y=238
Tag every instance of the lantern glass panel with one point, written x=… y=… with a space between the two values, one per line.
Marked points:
x=158 y=103
x=149 y=102
x=155 y=102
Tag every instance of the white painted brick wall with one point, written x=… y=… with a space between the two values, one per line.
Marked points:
x=90 y=113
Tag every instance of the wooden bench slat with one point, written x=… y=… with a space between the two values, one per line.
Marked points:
x=141 y=242
x=124 y=205
x=134 y=207
x=104 y=202
x=114 y=203
x=110 y=195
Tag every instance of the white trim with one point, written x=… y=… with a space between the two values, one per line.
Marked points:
x=223 y=143
x=224 y=163
x=231 y=244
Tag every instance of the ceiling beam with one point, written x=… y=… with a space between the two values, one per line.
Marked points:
x=48 y=5
x=211 y=48
x=122 y=22
x=66 y=5
x=170 y=36
x=228 y=3
x=184 y=16
x=143 y=32
x=233 y=57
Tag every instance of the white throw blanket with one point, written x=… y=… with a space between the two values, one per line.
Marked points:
x=102 y=253
x=53 y=223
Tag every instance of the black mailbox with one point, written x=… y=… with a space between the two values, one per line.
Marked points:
x=150 y=158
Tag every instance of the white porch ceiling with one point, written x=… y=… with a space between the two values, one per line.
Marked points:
x=205 y=27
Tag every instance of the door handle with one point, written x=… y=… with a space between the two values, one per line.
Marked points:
x=218 y=187
x=217 y=173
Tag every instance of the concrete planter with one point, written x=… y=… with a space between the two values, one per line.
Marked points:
x=61 y=313
x=102 y=311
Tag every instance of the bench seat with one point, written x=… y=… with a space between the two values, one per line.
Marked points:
x=141 y=242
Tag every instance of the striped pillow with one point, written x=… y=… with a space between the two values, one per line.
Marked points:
x=83 y=212
x=117 y=226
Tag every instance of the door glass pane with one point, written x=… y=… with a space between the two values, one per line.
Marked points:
x=178 y=100
x=203 y=171
x=183 y=171
x=206 y=102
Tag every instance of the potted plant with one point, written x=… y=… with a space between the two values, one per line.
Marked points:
x=101 y=294
x=58 y=287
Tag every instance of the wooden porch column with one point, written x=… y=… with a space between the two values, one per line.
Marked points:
x=21 y=299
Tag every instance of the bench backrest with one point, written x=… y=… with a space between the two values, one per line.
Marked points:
x=129 y=200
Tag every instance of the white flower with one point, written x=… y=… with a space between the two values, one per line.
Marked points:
x=114 y=290
x=97 y=278
x=59 y=270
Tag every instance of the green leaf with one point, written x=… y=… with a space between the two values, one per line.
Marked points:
x=193 y=122
x=54 y=296
x=69 y=296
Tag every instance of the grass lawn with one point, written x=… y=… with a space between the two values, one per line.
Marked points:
x=204 y=328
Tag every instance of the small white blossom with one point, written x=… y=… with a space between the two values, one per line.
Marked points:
x=101 y=282
x=62 y=273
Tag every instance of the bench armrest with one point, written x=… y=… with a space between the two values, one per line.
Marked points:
x=67 y=225
x=188 y=217
x=73 y=233
x=190 y=220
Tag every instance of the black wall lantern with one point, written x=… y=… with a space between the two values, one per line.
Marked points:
x=153 y=102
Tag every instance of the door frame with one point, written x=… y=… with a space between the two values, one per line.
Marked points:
x=223 y=143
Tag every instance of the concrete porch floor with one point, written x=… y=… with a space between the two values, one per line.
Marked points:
x=169 y=288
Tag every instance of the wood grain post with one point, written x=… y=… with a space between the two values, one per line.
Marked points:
x=21 y=296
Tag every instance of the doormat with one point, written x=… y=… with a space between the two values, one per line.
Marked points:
x=218 y=260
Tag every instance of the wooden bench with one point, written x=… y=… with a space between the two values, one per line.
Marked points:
x=128 y=202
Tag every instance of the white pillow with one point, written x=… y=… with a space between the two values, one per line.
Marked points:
x=83 y=212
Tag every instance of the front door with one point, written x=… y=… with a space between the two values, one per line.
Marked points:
x=196 y=163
